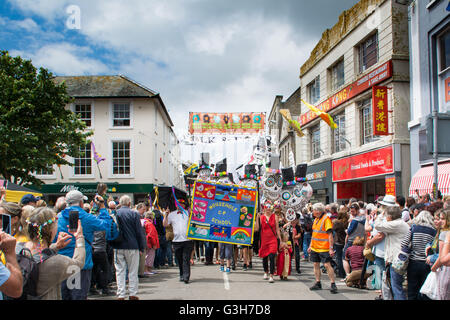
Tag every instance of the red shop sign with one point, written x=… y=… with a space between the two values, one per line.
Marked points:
x=380 y=111
x=390 y=186
x=378 y=75
x=363 y=165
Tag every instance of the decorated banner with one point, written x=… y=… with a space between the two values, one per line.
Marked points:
x=229 y=123
x=222 y=213
x=380 y=111
x=390 y=185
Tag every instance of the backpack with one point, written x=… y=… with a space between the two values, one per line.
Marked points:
x=308 y=224
x=29 y=265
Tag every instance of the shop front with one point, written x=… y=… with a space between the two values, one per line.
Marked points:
x=319 y=177
x=365 y=176
x=137 y=192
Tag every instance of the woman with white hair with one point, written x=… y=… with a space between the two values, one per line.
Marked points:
x=421 y=233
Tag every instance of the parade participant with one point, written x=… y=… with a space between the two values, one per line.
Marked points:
x=249 y=179
x=226 y=253
x=284 y=257
x=295 y=233
x=267 y=224
x=179 y=219
x=390 y=223
x=53 y=270
x=321 y=248
x=272 y=181
x=126 y=253
x=75 y=200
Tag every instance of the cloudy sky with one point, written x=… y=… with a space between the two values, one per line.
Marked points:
x=200 y=55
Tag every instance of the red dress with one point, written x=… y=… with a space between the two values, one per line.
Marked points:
x=269 y=242
x=284 y=262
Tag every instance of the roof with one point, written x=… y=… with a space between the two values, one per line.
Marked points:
x=104 y=87
x=118 y=86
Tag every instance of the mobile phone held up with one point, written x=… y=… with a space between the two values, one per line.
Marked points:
x=6 y=223
x=73 y=220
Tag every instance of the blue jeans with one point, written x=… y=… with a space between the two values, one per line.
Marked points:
x=397 y=285
x=169 y=253
x=379 y=269
x=417 y=273
x=339 y=251
x=306 y=243
x=161 y=253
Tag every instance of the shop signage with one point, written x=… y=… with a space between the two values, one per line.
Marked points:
x=390 y=186
x=378 y=75
x=372 y=163
x=380 y=111
x=213 y=123
x=223 y=213
x=91 y=188
x=319 y=175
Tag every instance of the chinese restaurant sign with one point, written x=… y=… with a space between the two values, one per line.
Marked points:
x=372 y=163
x=222 y=213
x=390 y=186
x=378 y=75
x=380 y=111
x=231 y=123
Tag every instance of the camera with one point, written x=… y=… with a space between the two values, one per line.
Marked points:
x=73 y=220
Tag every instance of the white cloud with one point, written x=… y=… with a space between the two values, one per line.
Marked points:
x=64 y=59
x=48 y=9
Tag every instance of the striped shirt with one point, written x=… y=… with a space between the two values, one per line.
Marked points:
x=421 y=236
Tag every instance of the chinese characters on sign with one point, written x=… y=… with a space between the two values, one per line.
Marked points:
x=231 y=123
x=380 y=111
x=390 y=185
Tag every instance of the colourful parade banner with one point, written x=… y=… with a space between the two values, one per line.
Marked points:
x=229 y=123
x=222 y=213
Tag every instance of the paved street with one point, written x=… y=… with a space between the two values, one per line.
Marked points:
x=207 y=282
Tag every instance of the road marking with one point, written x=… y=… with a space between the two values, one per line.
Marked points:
x=225 y=281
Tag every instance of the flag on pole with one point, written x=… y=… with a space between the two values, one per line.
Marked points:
x=97 y=157
x=292 y=123
x=325 y=116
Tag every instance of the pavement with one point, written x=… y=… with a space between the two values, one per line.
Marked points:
x=208 y=283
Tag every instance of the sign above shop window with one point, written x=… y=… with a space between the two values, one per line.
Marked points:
x=390 y=186
x=380 y=111
x=378 y=75
x=372 y=163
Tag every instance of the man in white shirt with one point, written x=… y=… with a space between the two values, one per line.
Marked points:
x=182 y=245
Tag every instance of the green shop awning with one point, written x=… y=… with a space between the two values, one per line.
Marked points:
x=91 y=188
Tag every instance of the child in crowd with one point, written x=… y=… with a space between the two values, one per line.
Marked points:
x=226 y=252
x=284 y=257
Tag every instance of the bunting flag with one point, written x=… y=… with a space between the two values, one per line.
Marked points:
x=191 y=169
x=178 y=204
x=325 y=116
x=292 y=123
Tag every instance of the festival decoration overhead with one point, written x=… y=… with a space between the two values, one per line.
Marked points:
x=325 y=116
x=98 y=158
x=294 y=124
x=226 y=123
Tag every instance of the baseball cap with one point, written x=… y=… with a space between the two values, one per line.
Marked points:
x=75 y=196
x=354 y=205
x=26 y=199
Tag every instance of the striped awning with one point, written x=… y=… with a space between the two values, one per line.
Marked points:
x=424 y=178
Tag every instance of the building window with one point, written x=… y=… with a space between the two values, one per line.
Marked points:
x=444 y=44
x=83 y=164
x=368 y=53
x=313 y=89
x=366 y=125
x=85 y=112
x=121 y=157
x=121 y=115
x=45 y=172
x=337 y=75
x=315 y=142
x=339 y=133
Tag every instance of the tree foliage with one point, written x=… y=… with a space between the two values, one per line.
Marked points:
x=36 y=129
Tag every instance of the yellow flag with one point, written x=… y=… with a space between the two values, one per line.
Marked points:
x=292 y=123
x=325 y=116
